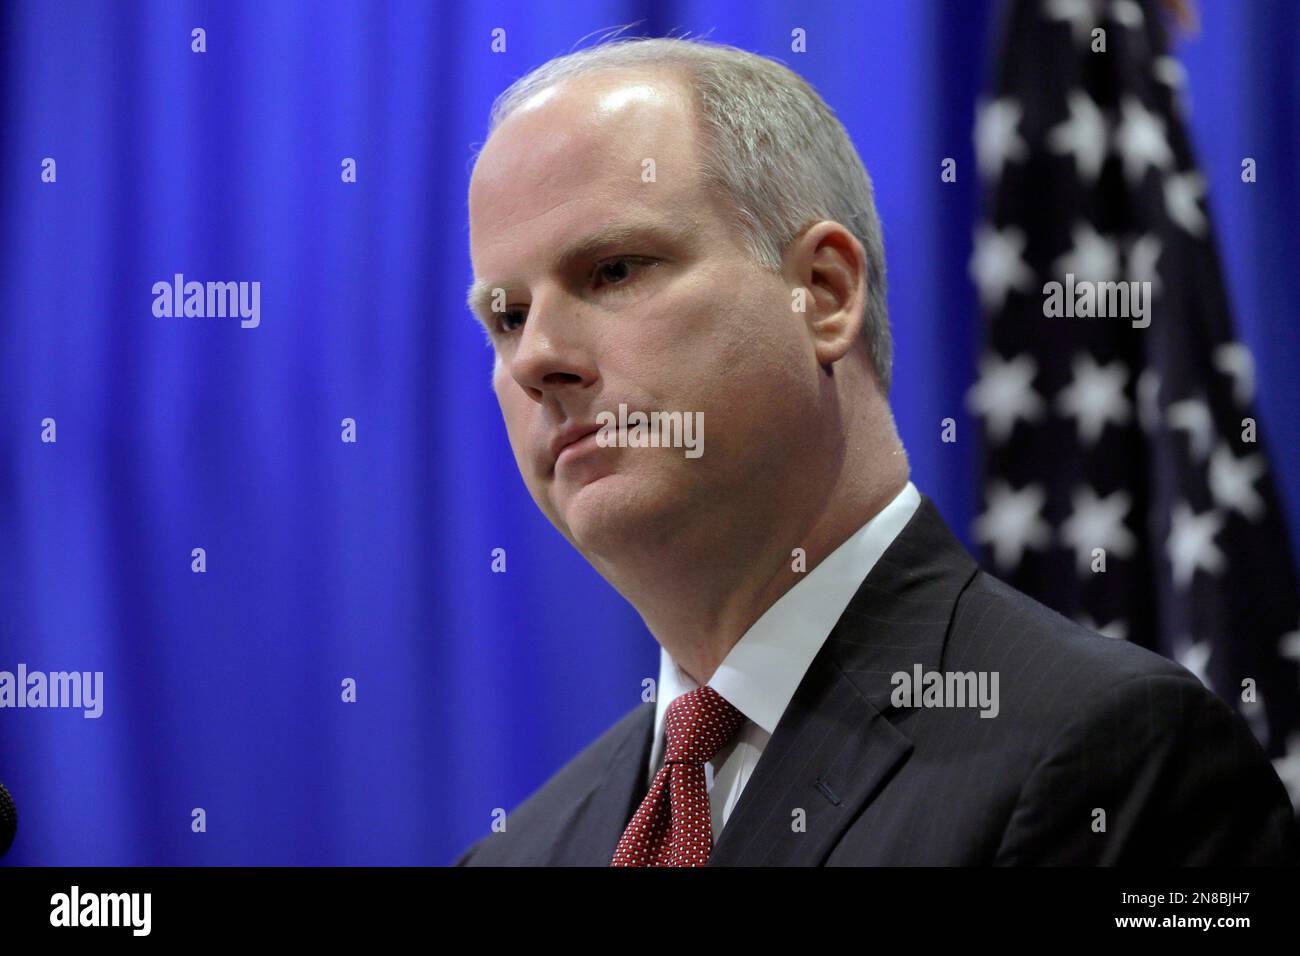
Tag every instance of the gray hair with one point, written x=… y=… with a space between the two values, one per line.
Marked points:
x=769 y=141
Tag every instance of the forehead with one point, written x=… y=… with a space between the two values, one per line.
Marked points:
x=578 y=153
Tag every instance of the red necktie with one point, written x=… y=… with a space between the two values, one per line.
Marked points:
x=673 y=825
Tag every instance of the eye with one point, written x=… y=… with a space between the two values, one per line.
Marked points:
x=613 y=273
x=618 y=270
x=502 y=325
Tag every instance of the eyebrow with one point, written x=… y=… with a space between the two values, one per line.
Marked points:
x=479 y=294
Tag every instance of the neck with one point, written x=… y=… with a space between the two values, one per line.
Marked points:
x=701 y=591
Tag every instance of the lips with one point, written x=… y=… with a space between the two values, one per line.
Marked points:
x=568 y=436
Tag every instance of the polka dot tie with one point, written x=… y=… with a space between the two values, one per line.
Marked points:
x=673 y=826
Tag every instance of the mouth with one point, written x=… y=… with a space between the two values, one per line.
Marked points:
x=568 y=442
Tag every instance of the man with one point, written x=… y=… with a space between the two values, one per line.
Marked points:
x=676 y=226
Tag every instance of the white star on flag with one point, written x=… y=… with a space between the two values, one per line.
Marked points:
x=1191 y=543
x=997 y=266
x=1140 y=140
x=1098 y=523
x=1095 y=396
x=1289 y=645
x=1005 y=393
x=1127 y=14
x=1013 y=522
x=1093 y=257
x=1232 y=482
x=1116 y=629
x=1234 y=360
x=1083 y=136
x=1193 y=416
x=1143 y=255
x=1257 y=717
x=1288 y=769
x=1082 y=15
x=1167 y=70
x=1196 y=658
x=1183 y=193
x=996 y=139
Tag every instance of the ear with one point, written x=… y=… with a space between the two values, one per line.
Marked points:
x=829 y=265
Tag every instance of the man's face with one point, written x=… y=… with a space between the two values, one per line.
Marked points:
x=670 y=314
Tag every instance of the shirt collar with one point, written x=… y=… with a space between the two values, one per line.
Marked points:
x=763 y=670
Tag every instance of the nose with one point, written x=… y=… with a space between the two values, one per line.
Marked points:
x=553 y=352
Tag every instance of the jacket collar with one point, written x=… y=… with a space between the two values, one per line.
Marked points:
x=835 y=743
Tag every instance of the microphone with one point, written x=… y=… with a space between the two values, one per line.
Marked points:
x=8 y=820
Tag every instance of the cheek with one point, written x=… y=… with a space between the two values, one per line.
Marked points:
x=760 y=381
x=514 y=415
x=743 y=339
x=681 y=336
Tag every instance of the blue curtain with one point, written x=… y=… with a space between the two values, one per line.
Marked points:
x=370 y=561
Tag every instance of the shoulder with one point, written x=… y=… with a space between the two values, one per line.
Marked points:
x=550 y=803
x=1058 y=684
x=1128 y=756
x=1004 y=627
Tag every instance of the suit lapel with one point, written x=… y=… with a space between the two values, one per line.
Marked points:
x=835 y=745
x=598 y=818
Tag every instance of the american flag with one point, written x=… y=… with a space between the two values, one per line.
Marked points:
x=1125 y=478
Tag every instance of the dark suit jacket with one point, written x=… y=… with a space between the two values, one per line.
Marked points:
x=1086 y=722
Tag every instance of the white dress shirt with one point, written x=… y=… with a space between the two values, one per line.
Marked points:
x=762 y=671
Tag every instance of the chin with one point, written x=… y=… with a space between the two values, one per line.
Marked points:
x=603 y=516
